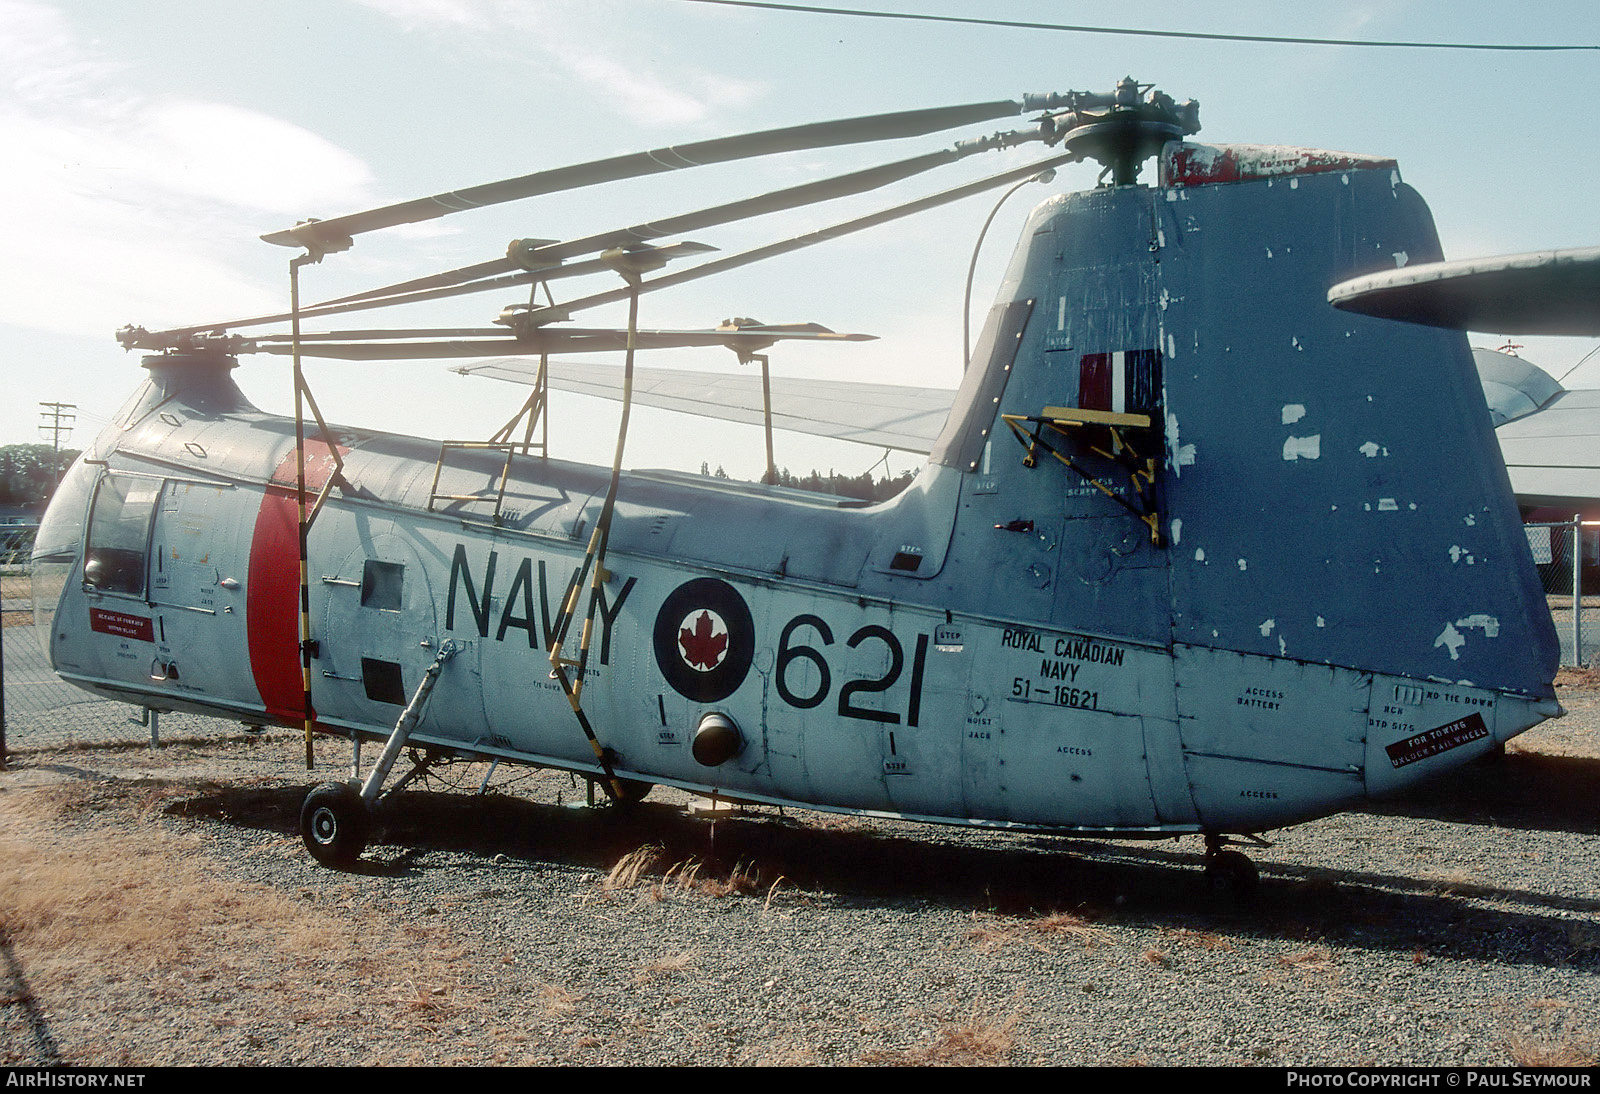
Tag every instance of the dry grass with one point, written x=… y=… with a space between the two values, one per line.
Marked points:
x=1203 y=940
x=689 y=876
x=16 y=587
x=670 y=965
x=141 y=921
x=983 y=1037
x=742 y=880
x=1315 y=960
x=1581 y=679
x=1451 y=882
x=555 y=1000
x=1546 y=1051
x=994 y=933
x=785 y=1052
x=632 y=868
x=1547 y=1039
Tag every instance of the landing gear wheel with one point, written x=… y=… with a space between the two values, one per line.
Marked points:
x=334 y=824
x=633 y=791
x=1231 y=874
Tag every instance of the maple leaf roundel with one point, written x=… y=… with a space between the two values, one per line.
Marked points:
x=704 y=639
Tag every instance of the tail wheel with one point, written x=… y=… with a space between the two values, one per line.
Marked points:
x=633 y=791
x=1231 y=874
x=335 y=824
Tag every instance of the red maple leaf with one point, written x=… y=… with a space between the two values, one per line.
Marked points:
x=701 y=648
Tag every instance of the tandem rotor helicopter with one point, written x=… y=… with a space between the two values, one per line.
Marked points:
x=1193 y=552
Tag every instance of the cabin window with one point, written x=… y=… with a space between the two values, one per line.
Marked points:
x=119 y=534
x=382 y=681
x=383 y=585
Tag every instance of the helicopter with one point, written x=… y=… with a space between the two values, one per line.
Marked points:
x=1193 y=552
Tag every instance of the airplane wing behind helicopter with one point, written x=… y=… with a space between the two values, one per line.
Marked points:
x=1548 y=436
x=1553 y=455
x=904 y=418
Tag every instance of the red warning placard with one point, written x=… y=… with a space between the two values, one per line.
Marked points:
x=121 y=625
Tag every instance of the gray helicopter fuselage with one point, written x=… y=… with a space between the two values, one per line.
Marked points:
x=1325 y=593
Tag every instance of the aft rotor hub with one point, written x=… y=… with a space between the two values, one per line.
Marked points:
x=1123 y=129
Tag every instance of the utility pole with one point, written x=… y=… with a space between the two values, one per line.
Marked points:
x=56 y=425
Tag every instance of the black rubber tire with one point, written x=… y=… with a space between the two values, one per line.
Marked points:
x=335 y=824
x=634 y=791
x=1232 y=875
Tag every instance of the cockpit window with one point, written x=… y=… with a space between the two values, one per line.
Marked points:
x=119 y=534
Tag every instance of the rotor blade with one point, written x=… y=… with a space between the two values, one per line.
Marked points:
x=554 y=252
x=792 y=197
x=538 y=254
x=377 y=345
x=393 y=295
x=523 y=320
x=459 y=276
x=379 y=335
x=334 y=234
x=413 y=292
x=401 y=351
x=480 y=278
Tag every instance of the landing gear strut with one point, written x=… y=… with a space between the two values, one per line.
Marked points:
x=336 y=819
x=1229 y=873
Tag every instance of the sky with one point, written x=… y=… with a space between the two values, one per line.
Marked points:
x=146 y=146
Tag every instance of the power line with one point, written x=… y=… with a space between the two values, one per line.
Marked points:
x=809 y=9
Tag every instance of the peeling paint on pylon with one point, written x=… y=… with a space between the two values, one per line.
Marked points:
x=1192 y=164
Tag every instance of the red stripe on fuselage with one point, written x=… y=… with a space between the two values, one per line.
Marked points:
x=272 y=598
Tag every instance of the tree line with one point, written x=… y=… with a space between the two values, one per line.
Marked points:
x=863 y=487
x=28 y=474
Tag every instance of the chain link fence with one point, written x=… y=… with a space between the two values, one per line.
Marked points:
x=1567 y=555
x=39 y=711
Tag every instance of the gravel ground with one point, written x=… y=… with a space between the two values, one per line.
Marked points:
x=157 y=908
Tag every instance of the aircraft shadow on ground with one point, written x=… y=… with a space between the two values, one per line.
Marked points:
x=1524 y=790
x=855 y=862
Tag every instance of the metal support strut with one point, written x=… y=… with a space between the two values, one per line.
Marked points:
x=307 y=513
x=335 y=818
x=407 y=722
x=593 y=570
